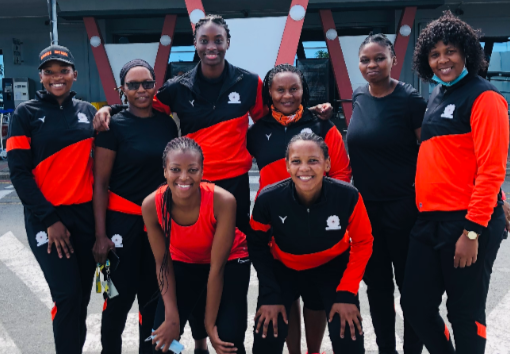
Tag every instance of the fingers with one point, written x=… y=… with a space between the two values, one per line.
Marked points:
x=456 y=261
x=265 y=327
x=342 y=326
x=259 y=322
x=50 y=242
x=284 y=315
x=63 y=245
x=352 y=328
x=357 y=321
x=275 y=325
x=67 y=241
x=59 y=249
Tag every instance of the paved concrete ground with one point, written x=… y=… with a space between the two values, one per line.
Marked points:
x=25 y=322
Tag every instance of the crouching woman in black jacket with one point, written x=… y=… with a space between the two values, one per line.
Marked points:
x=321 y=239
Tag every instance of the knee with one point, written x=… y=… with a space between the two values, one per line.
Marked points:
x=283 y=330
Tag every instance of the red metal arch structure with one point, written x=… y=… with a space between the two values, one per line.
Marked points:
x=286 y=52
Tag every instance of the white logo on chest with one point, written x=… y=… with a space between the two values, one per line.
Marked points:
x=234 y=98
x=306 y=130
x=333 y=223
x=42 y=119
x=42 y=238
x=268 y=136
x=282 y=219
x=192 y=103
x=117 y=239
x=448 y=111
x=82 y=118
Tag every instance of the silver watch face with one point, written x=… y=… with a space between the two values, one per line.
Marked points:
x=472 y=235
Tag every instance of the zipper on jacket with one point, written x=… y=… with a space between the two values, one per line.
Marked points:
x=308 y=211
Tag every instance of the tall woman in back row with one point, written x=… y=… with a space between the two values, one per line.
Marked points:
x=461 y=167
x=382 y=142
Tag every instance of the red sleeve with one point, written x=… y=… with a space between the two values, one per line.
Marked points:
x=489 y=128
x=340 y=165
x=360 y=232
x=159 y=106
x=259 y=109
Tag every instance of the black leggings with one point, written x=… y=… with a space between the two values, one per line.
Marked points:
x=324 y=281
x=134 y=277
x=70 y=280
x=392 y=222
x=430 y=272
x=190 y=286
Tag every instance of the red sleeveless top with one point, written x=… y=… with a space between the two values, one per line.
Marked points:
x=193 y=244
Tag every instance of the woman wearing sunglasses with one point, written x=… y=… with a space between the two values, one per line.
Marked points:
x=127 y=168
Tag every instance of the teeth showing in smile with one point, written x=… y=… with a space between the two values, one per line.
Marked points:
x=446 y=70
x=183 y=186
x=305 y=178
x=58 y=85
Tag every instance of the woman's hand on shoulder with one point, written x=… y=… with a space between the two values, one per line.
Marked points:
x=324 y=110
x=349 y=313
x=102 y=119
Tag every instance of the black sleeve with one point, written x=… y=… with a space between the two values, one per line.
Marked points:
x=117 y=108
x=19 y=156
x=108 y=138
x=416 y=110
x=259 y=235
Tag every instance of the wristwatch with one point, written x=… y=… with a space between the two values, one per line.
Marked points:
x=471 y=235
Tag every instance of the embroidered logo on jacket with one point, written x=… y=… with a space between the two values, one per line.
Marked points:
x=192 y=103
x=333 y=223
x=306 y=130
x=82 y=118
x=268 y=136
x=42 y=119
x=282 y=219
x=234 y=97
x=117 y=239
x=448 y=111
x=42 y=238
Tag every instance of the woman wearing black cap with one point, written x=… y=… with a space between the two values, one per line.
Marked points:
x=127 y=168
x=49 y=152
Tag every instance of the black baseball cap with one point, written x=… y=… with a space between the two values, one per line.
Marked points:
x=56 y=52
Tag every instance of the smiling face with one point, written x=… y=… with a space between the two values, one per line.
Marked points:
x=183 y=172
x=211 y=43
x=141 y=98
x=446 y=61
x=375 y=62
x=286 y=91
x=58 y=78
x=306 y=165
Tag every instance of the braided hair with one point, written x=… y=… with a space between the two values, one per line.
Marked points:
x=309 y=137
x=284 y=68
x=217 y=19
x=380 y=39
x=177 y=144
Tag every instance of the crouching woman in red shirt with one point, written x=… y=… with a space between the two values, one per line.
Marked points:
x=197 y=248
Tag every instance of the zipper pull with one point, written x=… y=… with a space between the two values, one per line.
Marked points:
x=213 y=107
x=308 y=210
x=61 y=107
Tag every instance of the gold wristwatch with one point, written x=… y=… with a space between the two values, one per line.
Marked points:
x=471 y=235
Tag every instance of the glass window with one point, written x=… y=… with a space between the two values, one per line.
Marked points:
x=316 y=49
x=182 y=53
x=2 y=74
x=499 y=67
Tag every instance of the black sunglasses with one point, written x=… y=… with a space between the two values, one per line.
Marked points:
x=135 y=85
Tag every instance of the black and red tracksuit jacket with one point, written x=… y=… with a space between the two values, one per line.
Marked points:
x=307 y=237
x=218 y=127
x=268 y=140
x=49 y=153
x=463 y=154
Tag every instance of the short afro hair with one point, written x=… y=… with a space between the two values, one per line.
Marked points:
x=449 y=29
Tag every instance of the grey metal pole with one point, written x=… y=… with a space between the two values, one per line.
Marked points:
x=52 y=11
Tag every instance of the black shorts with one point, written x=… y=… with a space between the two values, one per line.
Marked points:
x=311 y=298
